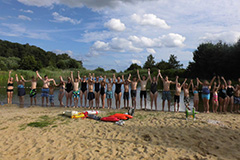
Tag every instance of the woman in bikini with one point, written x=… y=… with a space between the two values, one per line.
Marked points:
x=118 y=90
x=195 y=96
x=10 y=88
x=61 y=86
x=206 y=86
x=215 y=96
x=153 y=89
x=21 y=91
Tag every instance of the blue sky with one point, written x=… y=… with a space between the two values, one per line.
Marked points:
x=114 y=34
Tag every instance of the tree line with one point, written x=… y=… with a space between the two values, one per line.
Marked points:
x=23 y=56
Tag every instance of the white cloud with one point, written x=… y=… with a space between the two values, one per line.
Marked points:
x=151 y=20
x=151 y=50
x=172 y=40
x=59 y=18
x=58 y=51
x=115 y=25
x=101 y=46
x=16 y=30
x=123 y=45
x=95 y=36
x=228 y=37
x=136 y=61
x=22 y=17
x=26 y=11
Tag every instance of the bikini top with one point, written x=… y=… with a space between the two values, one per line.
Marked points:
x=10 y=84
x=20 y=86
x=195 y=92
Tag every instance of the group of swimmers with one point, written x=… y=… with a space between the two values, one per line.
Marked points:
x=99 y=88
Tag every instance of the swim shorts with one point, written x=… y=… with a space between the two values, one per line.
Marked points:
x=91 y=96
x=133 y=93
x=207 y=96
x=109 y=95
x=236 y=100
x=186 y=101
x=51 y=99
x=176 y=98
x=126 y=95
x=166 y=95
x=33 y=93
x=75 y=94
x=45 y=92
x=21 y=90
x=143 y=94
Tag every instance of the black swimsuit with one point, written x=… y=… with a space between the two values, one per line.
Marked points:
x=84 y=87
x=97 y=87
x=153 y=88
x=10 y=90
x=229 y=91
x=69 y=87
x=118 y=88
x=222 y=93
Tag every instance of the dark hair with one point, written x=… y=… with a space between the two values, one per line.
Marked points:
x=45 y=76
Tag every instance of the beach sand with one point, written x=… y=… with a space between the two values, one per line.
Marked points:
x=149 y=135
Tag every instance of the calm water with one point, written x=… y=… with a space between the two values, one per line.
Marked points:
x=3 y=99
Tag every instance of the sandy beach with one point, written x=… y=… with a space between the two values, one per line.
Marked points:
x=149 y=135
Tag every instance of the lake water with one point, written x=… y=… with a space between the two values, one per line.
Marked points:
x=3 y=99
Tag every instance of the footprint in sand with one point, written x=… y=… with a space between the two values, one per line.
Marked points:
x=147 y=137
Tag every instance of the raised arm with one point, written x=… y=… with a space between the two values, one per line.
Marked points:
x=138 y=75
x=79 y=78
x=9 y=75
x=16 y=77
x=114 y=78
x=225 y=83
x=219 y=83
x=192 y=86
x=149 y=75
x=199 y=81
x=54 y=82
x=61 y=79
x=176 y=81
x=72 y=77
x=191 y=82
x=129 y=77
x=158 y=75
x=184 y=82
x=24 y=79
x=212 y=80
x=161 y=76
x=38 y=75
x=93 y=78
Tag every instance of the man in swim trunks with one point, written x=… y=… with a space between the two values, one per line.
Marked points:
x=177 y=94
x=126 y=92
x=91 y=95
x=143 y=92
x=166 y=95
x=75 y=92
x=109 y=94
x=33 y=91
x=45 y=88
x=21 y=91
x=237 y=98
x=186 y=99
x=134 y=84
x=51 y=93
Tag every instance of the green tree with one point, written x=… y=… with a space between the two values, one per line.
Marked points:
x=99 y=69
x=134 y=66
x=29 y=62
x=150 y=62
x=173 y=62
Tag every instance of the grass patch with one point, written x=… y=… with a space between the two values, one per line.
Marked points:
x=43 y=121
x=22 y=127
x=4 y=128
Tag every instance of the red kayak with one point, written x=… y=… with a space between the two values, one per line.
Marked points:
x=110 y=119
x=121 y=116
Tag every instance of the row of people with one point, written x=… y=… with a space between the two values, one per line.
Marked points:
x=70 y=88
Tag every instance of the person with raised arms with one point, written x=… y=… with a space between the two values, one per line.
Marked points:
x=206 y=86
x=10 y=88
x=83 y=91
x=222 y=94
x=97 y=91
x=186 y=98
x=33 y=91
x=230 y=93
x=195 y=96
x=153 y=89
x=45 y=88
x=143 y=92
x=62 y=86
x=215 y=103
x=75 y=92
x=91 y=95
x=109 y=94
x=177 y=93
x=126 y=92
x=102 y=91
x=21 y=91
x=237 y=98
x=134 y=84
x=118 y=90
x=68 y=93
x=166 y=94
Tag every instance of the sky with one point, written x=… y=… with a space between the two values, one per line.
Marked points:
x=113 y=34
